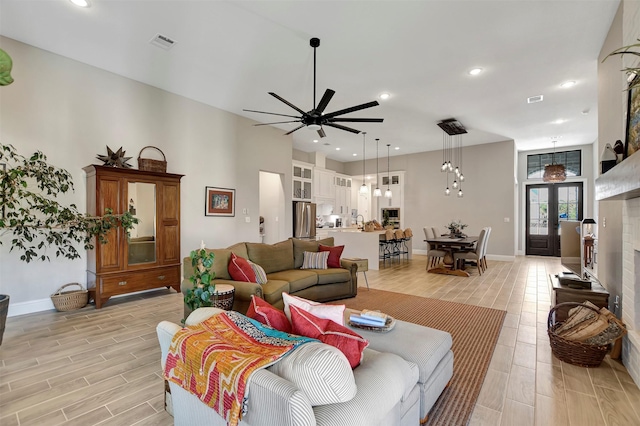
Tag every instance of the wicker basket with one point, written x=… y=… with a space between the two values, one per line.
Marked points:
x=150 y=165
x=70 y=300
x=570 y=351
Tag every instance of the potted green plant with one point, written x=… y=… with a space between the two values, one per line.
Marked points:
x=455 y=229
x=203 y=290
x=386 y=223
x=631 y=71
x=34 y=219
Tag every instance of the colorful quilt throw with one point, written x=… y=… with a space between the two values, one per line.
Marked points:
x=215 y=359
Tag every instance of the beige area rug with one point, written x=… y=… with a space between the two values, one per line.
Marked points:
x=474 y=330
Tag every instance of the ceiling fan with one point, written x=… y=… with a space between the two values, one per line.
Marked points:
x=315 y=119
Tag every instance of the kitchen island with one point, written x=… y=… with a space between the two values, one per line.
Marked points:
x=364 y=245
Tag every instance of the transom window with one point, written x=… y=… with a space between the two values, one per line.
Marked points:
x=572 y=161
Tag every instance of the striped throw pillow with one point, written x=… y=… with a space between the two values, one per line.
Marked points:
x=313 y=260
x=261 y=275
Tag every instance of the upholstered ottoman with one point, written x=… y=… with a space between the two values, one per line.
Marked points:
x=429 y=348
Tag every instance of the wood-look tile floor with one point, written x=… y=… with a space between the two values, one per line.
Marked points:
x=91 y=367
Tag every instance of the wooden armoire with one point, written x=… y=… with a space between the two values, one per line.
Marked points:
x=150 y=256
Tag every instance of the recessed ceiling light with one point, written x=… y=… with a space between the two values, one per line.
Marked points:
x=338 y=149
x=354 y=154
x=397 y=148
x=384 y=96
x=81 y=3
x=315 y=141
x=475 y=71
x=568 y=84
x=559 y=121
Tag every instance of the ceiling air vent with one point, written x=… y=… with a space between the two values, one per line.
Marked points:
x=534 y=99
x=162 y=41
x=452 y=127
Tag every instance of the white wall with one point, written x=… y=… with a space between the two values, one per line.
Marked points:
x=71 y=112
x=489 y=193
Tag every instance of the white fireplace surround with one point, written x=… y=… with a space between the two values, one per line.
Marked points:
x=631 y=285
x=622 y=183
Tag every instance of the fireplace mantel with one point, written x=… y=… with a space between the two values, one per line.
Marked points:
x=621 y=182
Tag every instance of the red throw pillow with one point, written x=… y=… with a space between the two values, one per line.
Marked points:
x=334 y=255
x=348 y=342
x=240 y=269
x=261 y=311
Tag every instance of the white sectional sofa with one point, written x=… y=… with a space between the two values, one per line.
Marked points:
x=399 y=379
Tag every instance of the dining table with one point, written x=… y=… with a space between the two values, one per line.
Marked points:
x=450 y=246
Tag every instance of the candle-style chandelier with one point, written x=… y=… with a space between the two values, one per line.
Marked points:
x=452 y=153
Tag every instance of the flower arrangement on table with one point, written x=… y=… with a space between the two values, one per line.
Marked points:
x=455 y=228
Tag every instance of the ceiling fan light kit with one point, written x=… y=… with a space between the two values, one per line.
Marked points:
x=315 y=119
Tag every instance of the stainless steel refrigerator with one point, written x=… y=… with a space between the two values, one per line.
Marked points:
x=304 y=220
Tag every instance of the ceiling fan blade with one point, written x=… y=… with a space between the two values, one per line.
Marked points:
x=272 y=113
x=352 y=109
x=281 y=99
x=297 y=128
x=321 y=133
x=355 y=120
x=338 y=126
x=277 y=122
x=328 y=94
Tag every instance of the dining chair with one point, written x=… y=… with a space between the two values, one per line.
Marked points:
x=460 y=256
x=434 y=255
x=483 y=259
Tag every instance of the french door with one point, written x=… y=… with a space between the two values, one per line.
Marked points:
x=547 y=205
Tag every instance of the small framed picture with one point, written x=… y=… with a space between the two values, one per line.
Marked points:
x=220 y=202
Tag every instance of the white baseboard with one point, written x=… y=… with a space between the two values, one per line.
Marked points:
x=29 y=307
x=501 y=257
x=33 y=306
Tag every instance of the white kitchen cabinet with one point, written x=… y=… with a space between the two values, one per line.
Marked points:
x=324 y=183
x=396 y=186
x=302 y=181
x=343 y=186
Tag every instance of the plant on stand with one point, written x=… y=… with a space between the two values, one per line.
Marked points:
x=202 y=293
x=36 y=221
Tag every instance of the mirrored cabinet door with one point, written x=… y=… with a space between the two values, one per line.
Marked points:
x=142 y=242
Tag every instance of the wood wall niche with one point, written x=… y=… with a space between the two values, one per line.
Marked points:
x=142 y=262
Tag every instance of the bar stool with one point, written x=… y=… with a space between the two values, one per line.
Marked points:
x=399 y=247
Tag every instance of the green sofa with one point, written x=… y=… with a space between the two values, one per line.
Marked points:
x=281 y=261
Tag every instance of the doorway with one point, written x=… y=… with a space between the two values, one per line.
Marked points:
x=272 y=203
x=549 y=204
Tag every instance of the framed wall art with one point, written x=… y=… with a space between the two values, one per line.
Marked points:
x=632 y=143
x=220 y=202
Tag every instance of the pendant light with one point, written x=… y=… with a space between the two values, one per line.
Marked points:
x=452 y=153
x=377 y=192
x=363 y=188
x=388 y=193
x=553 y=172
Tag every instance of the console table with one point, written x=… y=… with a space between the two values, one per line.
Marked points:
x=597 y=295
